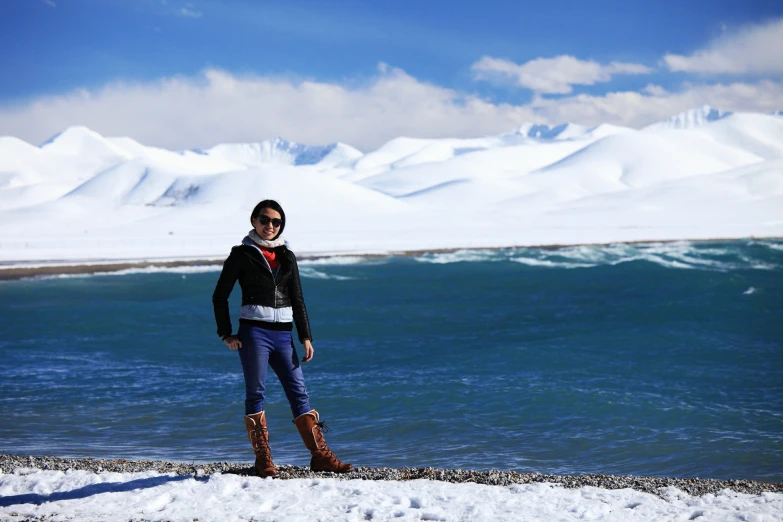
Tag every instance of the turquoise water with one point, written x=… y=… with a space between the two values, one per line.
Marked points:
x=647 y=360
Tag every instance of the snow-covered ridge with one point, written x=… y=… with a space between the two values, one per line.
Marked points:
x=283 y=152
x=567 y=131
x=702 y=174
x=692 y=118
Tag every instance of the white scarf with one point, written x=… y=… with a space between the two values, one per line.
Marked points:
x=255 y=238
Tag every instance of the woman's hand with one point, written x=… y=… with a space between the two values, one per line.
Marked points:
x=308 y=347
x=233 y=342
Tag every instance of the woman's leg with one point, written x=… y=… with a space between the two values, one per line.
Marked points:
x=285 y=363
x=254 y=354
x=257 y=344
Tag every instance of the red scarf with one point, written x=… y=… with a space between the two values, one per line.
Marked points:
x=271 y=258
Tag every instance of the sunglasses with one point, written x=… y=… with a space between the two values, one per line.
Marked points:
x=265 y=220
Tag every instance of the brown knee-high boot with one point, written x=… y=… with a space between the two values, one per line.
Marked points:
x=311 y=430
x=259 y=438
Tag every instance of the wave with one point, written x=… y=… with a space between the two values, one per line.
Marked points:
x=459 y=256
x=334 y=261
x=721 y=257
x=312 y=273
x=548 y=263
x=184 y=270
x=770 y=243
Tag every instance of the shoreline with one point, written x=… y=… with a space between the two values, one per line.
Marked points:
x=29 y=269
x=653 y=485
x=95 y=267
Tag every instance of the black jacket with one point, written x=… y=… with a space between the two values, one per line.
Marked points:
x=246 y=265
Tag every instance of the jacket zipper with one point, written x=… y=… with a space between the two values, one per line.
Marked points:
x=274 y=281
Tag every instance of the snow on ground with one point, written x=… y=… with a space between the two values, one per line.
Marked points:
x=85 y=496
x=700 y=175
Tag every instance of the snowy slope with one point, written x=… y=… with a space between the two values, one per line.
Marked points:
x=701 y=174
x=18 y=160
x=691 y=118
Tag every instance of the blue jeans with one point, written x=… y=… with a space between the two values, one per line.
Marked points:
x=262 y=348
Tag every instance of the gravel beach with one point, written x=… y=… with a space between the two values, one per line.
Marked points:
x=653 y=485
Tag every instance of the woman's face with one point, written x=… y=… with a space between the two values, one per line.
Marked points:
x=267 y=230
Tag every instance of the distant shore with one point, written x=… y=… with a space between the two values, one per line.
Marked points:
x=27 y=269
x=91 y=267
x=653 y=485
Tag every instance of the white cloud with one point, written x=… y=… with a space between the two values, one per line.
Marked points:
x=189 y=13
x=218 y=107
x=637 y=109
x=552 y=75
x=50 y=3
x=654 y=90
x=753 y=49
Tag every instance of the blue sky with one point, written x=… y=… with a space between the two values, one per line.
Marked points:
x=196 y=73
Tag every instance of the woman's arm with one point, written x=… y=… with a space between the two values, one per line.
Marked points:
x=223 y=288
x=297 y=302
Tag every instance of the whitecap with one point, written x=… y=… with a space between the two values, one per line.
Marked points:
x=547 y=263
x=719 y=257
x=758 y=265
x=312 y=273
x=335 y=260
x=668 y=263
x=195 y=269
x=773 y=245
x=461 y=256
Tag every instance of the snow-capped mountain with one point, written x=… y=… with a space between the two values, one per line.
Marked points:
x=692 y=118
x=283 y=152
x=701 y=174
x=547 y=132
x=81 y=141
x=567 y=131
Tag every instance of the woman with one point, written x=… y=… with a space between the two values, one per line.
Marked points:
x=271 y=301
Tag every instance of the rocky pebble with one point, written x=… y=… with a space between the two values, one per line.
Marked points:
x=654 y=485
